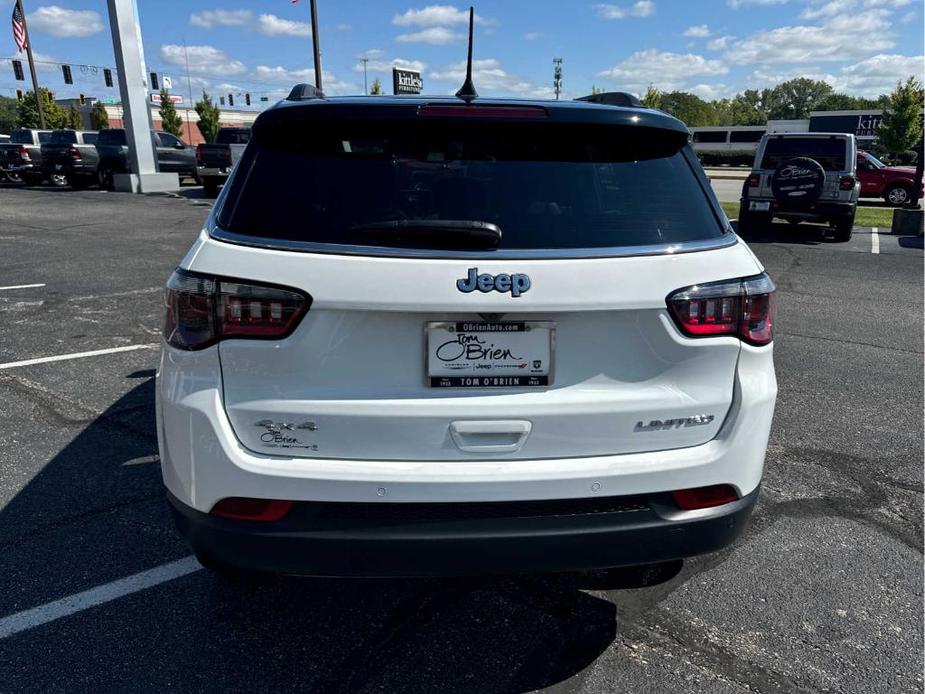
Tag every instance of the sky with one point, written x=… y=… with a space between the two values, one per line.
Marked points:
x=713 y=48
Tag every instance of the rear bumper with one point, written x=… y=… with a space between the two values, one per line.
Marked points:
x=213 y=172
x=344 y=539
x=821 y=209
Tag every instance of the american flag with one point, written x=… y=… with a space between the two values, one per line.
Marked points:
x=19 y=27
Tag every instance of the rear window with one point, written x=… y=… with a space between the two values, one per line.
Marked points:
x=546 y=186
x=90 y=138
x=746 y=135
x=710 y=136
x=828 y=151
x=111 y=137
x=237 y=136
x=63 y=137
x=24 y=137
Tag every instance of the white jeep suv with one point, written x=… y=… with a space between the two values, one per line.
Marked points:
x=431 y=336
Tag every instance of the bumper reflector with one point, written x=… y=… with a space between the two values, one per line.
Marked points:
x=244 y=508
x=704 y=497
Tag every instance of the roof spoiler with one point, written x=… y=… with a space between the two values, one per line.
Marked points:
x=303 y=92
x=613 y=99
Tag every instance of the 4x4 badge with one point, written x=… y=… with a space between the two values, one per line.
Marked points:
x=516 y=284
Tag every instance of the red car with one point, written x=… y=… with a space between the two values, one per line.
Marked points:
x=892 y=183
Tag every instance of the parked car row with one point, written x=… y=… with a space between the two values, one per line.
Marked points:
x=82 y=158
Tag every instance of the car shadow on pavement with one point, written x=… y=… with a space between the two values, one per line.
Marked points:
x=97 y=513
x=911 y=241
x=804 y=234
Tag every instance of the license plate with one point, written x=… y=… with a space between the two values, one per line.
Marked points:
x=759 y=206
x=485 y=354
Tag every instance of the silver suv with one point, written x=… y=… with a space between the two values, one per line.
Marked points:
x=802 y=177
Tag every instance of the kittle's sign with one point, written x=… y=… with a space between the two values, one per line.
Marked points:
x=406 y=81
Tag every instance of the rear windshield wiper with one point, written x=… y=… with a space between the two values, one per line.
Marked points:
x=433 y=233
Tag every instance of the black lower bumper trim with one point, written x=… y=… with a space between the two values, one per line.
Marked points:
x=606 y=536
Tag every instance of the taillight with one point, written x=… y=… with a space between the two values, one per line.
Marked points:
x=24 y=154
x=743 y=308
x=74 y=153
x=704 y=497
x=245 y=508
x=198 y=156
x=201 y=310
x=846 y=182
x=754 y=180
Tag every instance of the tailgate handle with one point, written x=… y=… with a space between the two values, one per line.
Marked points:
x=490 y=436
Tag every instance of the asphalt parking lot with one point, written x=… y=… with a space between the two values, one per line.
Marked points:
x=822 y=593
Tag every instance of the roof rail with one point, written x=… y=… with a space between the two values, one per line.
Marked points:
x=303 y=92
x=613 y=99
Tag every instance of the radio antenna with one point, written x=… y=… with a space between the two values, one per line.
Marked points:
x=467 y=91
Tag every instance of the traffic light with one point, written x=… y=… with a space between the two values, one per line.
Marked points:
x=83 y=100
x=154 y=84
x=107 y=77
x=247 y=98
x=231 y=99
x=17 y=70
x=66 y=71
x=19 y=95
x=221 y=100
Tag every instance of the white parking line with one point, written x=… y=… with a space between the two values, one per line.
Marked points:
x=22 y=286
x=107 y=592
x=874 y=240
x=75 y=355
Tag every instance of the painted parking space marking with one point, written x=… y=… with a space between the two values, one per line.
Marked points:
x=28 y=619
x=874 y=240
x=75 y=355
x=22 y=286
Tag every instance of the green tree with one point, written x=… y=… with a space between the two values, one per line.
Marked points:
x=796 y=98
x=845 y=102
x=596 y=90
x=74 y=120
x=99 y=119
x=170 y=119
x=688 y=108
x=209 y=115
x=376 y=87
x=28 y=116
x=652 y=97
x=8 y=110
x=901 y=127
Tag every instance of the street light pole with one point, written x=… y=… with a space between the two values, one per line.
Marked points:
x=316 y=45
x=365 y=86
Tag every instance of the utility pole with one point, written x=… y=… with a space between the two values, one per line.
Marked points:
x=365 y=60
x=316 y=45
x=35 y=83
x=557 y=76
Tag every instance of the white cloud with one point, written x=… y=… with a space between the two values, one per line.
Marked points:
x=878 y=75
x=63 y=23
x=490 y=78
x=845 y=37
x=203 y=60
x=642 y=8
x=438 y=36
x=387 y=65
x=700 y=31
x=271 y=25
x=344 y=27
x=533 y=35
x=735 y=4
x=434 y=15
x=668 y=70
x=833 y=8
x=208 y=19
x=332 y=85
x=908 y=17
x=719 y=43
x=709 y=92
x=372 y=53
